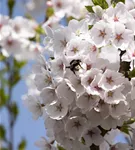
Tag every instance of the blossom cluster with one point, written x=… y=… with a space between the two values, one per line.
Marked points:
x=83 y=87
x=59 y=9
x=15 y=35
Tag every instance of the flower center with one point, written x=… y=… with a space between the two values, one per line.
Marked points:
x=115 y=19
x=90 y=80
x=9 y=42
x=133 y=54
x=88 y=66
x=59 y=4
x=109 y=80
x=110 y=94
x=63 y=42
x=102 y=33
x=61 y=66
x=59 y=107
x=119 y=37
x=94 y=48
x=75 y=49
x=90 y=133
x=77 y=124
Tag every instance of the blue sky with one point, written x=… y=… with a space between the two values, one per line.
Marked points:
x=25 y=126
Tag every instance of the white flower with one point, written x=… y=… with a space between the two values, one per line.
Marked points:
x=96 y=16
x=34 y=105
x=92 y=136
x=101 y=33
x=61 y=7
x=121 y=146
x=52 y=22
x=77 y=145
x=48 y=95
x=88 y=77
x=94 y=87
x=76 y=84
x=23 y=27
x=78 y=28
x=58 y=66
x=57 y=109
x=75 y=127
x=111 y=80
x=122 y=37
x=114 y=96
x=133 y=89
x=119 y=109
x=102 y=108
x=96 y=120
x=40 y=66
x=92 y=51
x=75 y=47
x=12 y=44
x=65 y=91
x=35 y=7
x=44 y=144
x=110 y=53
x=4 y=20
x=43 y=80
x=87 y=101
x=130 y=53
x=61 y=38
x=109 y=123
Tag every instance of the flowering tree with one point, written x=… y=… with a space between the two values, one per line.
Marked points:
x=19 y=42
x=83 y=83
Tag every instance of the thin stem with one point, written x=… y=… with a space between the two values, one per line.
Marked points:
x=9 y=103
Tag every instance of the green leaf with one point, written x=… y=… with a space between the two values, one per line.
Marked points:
x=2 y=132
x=15 y=78
x=3 y=148
x=49 y=12
x=19 y=64
x=90 y=26
x=124 y=129
x=40 y=30
x=4 y=81
x=2 y=58
x=82 y=140
x=114 y=2
x=131 y=121
x=101 y=3
x=60 y=148
x=3 y=97
x=14 y=109
x=89 y=8
x=132 y=73
x=22 y=145
x=11 y=4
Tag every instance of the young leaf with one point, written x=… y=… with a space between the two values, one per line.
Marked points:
x=2 y=132
x=132 y=73
x=124 y=129
x=89 y=8
x=114 y=2
x=14 y=109
x=60 y=148
x=49 y=12
x=101 y=3
x=3 y=148
x=19 y=64
x=15 y=78
x=40 y=30
x=22 y=145
x=3 y=97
